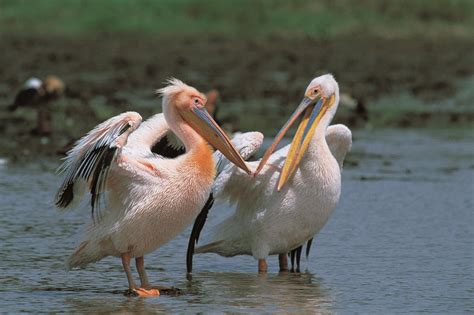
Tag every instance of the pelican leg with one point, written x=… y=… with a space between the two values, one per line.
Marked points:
x=262 y=266
x=298 y=258
x=296 y=255
x=292 y=256
x=283 y=262
x=140 y=263
x=144 y=283
x=128 y=271
x=132 y=287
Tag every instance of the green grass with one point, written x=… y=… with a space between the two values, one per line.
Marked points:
x=391 y=110
x=243 y=18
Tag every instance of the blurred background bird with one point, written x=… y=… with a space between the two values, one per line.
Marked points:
x=39 y=95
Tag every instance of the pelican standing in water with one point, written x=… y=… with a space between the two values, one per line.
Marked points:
x=148 y=199
x=294 y=190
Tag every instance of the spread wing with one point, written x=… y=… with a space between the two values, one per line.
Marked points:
x=88 y=163
x=247 y=144
x=150 y=132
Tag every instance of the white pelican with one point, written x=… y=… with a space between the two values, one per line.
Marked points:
x=38 y=94
x=294 y=189
x=150 y=199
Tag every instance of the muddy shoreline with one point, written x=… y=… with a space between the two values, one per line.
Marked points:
x=256 y=78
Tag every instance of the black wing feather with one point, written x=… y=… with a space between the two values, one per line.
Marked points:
x=196 y=232
x=92 y=166
x=164 y=149
x=100 y=178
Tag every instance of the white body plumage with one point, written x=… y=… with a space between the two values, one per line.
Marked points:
x=267 y=221
x=146 y=206
x=149 y=199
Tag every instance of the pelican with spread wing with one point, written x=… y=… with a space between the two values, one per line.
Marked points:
x=293 y=192
x=141 y=200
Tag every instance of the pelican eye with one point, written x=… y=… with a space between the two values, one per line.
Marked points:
x=196 y=101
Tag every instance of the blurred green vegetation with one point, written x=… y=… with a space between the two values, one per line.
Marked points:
x=405 y=110
x=405 y=62
x=243 y=18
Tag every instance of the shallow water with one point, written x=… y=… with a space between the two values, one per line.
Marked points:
x=401 y=240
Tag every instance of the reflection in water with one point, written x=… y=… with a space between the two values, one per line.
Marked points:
x=120 y=305
x=399 y=244
x=283 y=292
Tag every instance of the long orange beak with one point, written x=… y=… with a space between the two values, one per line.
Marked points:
x=313 y=110
x=201 y=121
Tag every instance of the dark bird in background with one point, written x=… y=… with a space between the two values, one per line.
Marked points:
x=39 y=95
x=170 y=146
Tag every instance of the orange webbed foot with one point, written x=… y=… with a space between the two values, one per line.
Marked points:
x=141 y=292
x=164 y=290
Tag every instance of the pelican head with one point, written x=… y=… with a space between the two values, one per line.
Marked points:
x=319 y=102
x=189 y=104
